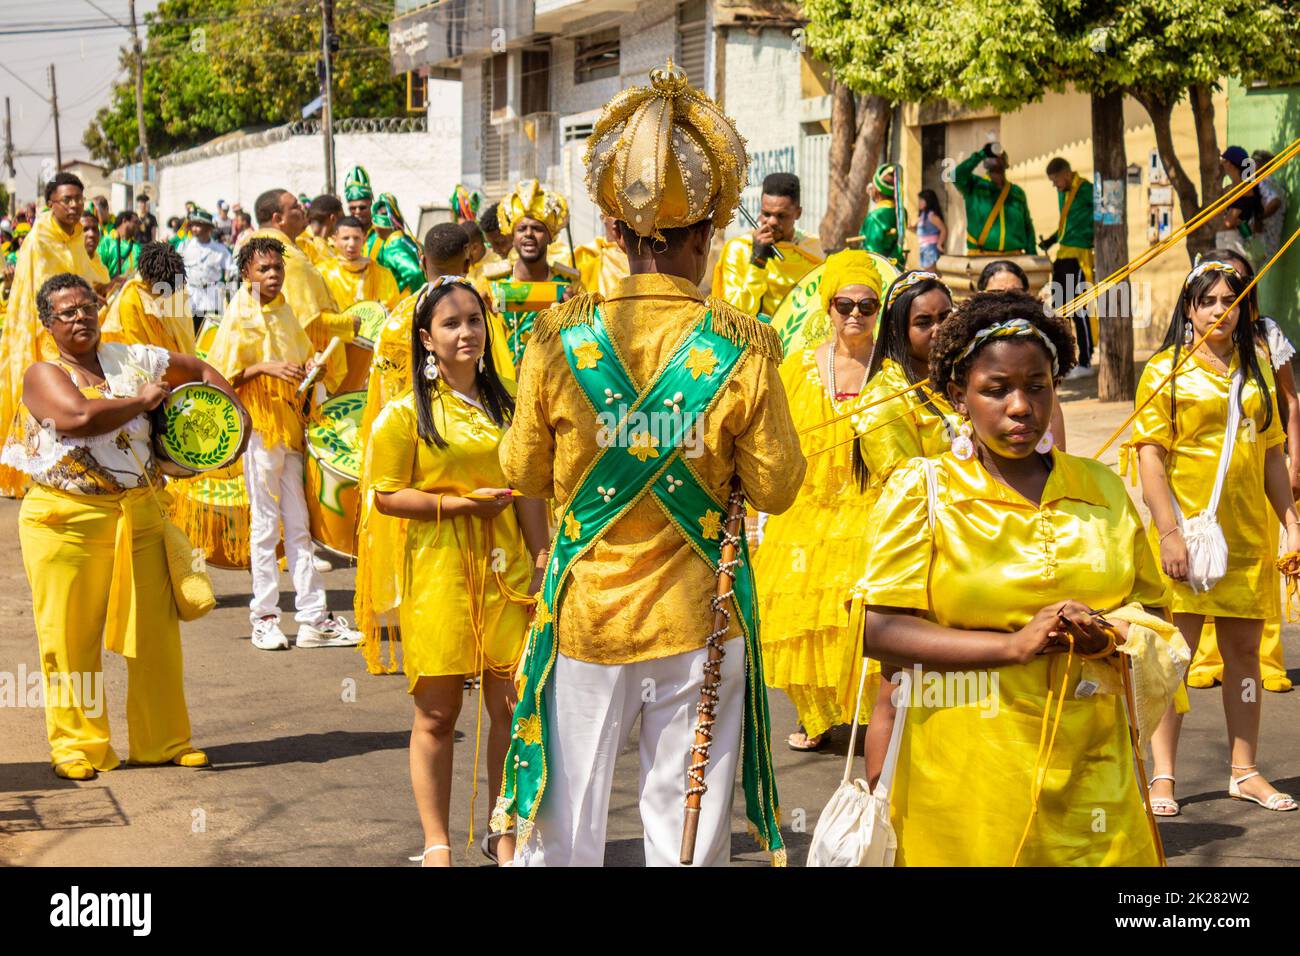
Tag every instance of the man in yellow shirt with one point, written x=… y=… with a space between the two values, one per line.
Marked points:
x=322 y=218
x=602 y=262
x=749 y=273
x=153 y=308
x=625 y=603
x=352 y=276
x=55 y=245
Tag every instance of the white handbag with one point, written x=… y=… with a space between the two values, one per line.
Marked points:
x=1207 y=549
x=854 y=828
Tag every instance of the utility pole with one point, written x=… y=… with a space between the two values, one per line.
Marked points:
x=9 y=159
x=327 y=43
x=54 y=106
x=139 y=95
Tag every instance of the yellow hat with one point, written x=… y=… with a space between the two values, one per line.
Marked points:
x=530 y=201
x=665 y=156
x=849 y=267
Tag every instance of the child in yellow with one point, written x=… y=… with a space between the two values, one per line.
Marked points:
x=352 y=276
x=990 y=589
x=466 y=571
x=1180 y=435
x=265 y=352
x=153 y=308
x=812 y=553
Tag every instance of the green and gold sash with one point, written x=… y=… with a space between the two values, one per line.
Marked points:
x=642 y=435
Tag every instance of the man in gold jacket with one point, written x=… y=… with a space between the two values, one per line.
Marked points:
x=755 y=271
x=55 y=245
x=632 y=625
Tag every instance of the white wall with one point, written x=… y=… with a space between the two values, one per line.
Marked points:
x=418 y=168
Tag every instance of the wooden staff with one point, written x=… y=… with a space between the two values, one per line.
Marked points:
x=706 y=709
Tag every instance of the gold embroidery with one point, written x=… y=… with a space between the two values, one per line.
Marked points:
x=701 y=362
x=572 y=527
x=588 y=354
x=711 y=524
x=530 y=729
x=643 y=446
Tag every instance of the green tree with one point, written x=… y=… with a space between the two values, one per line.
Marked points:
x=214 y=66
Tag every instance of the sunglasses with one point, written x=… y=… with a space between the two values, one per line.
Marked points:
x=866 y=307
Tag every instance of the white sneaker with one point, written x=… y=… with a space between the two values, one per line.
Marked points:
x=267 y=635
x=333 y=631
x=321 y=564
x=1081 y=371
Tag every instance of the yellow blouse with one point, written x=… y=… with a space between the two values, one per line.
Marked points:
x=361 y=280
x=464 y=580
x=962 y=789
x=756 y=290
x=901 y=428
x=1194 y=441
x=137 y=317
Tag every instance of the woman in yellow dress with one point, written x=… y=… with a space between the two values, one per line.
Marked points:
x=991 y=591
x=471 y=547
x=1179 y=436
x=91 y=533
x=902 y=426
x=1207 y=666
x=811 y=553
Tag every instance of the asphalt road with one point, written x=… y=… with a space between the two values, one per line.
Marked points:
x=310 y=756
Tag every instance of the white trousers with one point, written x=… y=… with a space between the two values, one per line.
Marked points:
x=276 y=497
x=591 y=714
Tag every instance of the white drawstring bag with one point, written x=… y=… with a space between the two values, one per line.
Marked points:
x=854 y=828
x=1207 y=549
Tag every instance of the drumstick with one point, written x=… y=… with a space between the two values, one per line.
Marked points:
x=478 y=497
x=320 y=360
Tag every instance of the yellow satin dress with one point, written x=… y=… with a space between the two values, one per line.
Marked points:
x=962 y=790
x=809 y=557
x=1193 y=441
x=464 y=580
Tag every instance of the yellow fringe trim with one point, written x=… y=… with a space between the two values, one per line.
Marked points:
x=374 y=630
x=263 y=397
x=745 y=329
x=580 y=310
x=217 y=530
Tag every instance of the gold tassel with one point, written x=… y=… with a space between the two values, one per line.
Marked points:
x=745 y=329
x=262 y=397
x=580 y=310
x=214 y=530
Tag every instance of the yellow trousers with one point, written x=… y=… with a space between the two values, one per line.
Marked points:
x=68 y=550
x=1207 y=666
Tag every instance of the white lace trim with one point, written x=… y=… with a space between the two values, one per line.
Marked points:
x=1280 y=348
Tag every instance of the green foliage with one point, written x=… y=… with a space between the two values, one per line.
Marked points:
x=1006 y=53
x=214 y=66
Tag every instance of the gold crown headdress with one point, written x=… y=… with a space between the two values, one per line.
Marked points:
x=665 y=156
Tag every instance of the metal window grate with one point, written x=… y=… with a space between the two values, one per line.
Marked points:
x=692 y=40
x=596 y=55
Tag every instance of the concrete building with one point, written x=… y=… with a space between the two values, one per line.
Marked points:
x=535 y=74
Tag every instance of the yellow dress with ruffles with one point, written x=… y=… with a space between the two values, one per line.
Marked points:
x=969 y=756
x=809 y=557
x=464 y=580
x=1193 y=442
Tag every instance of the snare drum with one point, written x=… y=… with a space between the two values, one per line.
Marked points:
x=333 y=463
x=197 y=429
x=206 y=335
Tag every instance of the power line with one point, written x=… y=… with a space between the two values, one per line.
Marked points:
x=44 y=98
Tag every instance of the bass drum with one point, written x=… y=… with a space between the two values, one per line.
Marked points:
x=333 y=463
x=212 y=510
x=800 y=319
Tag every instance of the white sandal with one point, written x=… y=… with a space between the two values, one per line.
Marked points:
x=427 y=850
x=1163 y=806
x=1272 y=802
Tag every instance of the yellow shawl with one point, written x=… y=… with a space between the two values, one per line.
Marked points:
x=136 y=316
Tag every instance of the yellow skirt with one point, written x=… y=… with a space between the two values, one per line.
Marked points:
x=962 y=794
x=68 y=551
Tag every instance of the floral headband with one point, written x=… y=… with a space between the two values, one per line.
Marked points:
x=1211 y=265
x=906 y=281
x=1012 y=327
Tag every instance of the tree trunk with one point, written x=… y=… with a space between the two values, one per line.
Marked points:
x=854 y=158
x=1189 y=201
x=1207 y=147
x=1114 y=309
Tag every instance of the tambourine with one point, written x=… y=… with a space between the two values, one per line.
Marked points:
x=197 y=428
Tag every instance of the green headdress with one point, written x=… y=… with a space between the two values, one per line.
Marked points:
x=884 y=180
x=385 y=214
x=357 y=185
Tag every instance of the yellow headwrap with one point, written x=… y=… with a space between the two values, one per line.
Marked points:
x=530 y=201
x=665 y=156
x=849 y=267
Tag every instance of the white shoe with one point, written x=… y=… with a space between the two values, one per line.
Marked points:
x=332 y=631
x=1081 y=371
x=267 y=635
x=321 y=564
